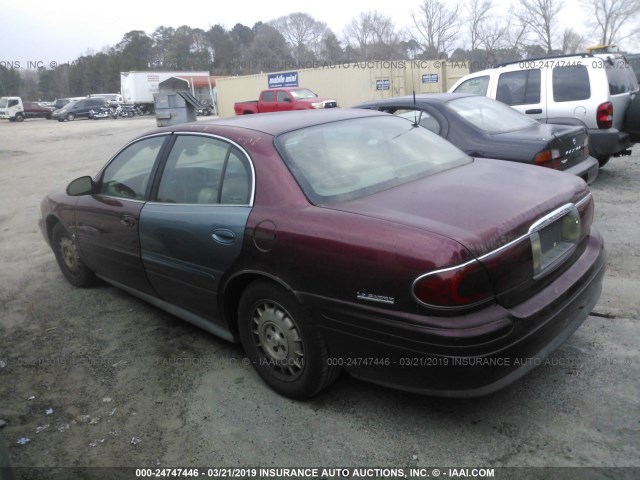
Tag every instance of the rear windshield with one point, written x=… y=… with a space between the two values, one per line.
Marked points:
x=353 y=158
x=489 y=115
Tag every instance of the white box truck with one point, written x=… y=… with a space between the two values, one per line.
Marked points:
x=139 y=87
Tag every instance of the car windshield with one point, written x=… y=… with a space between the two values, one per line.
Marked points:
x=353 y=158
x=489 y=115
x=3 y=102
x=302 y=93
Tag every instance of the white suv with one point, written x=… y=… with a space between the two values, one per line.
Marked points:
x=596 y=91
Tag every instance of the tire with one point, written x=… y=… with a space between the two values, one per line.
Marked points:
x=280 y=340
x=71 y=117
x=73 y=268
x=19 y=117
x=603 y=160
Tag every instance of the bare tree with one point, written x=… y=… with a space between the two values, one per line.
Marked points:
x=477 y=15
x=572 y=41
x=436 y=27
x=359 y=33
x=540 y=18
x=373 y=35
x=610 y=16
x=303 y=33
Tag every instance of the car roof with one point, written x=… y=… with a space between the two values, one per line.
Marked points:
x=277 y=122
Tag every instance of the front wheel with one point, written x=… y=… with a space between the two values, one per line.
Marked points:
x=283 y=345
x=71 y=117
x=19 y=117
x=68 y=258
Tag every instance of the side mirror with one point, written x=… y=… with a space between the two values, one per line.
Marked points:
x=286 y=99
x=81 y=186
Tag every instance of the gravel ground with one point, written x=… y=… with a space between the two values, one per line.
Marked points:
x=98 y=378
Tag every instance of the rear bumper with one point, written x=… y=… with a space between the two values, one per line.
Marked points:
x=587 y=169
x=604 y=143
x=479 y=353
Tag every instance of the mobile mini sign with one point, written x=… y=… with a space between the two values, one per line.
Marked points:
x=287 y=79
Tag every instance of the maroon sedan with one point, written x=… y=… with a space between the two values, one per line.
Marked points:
x=340 y=240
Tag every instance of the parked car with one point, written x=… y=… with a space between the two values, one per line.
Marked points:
x=284 y=99
x=61 y=102
x=340 y=239
x=78 y=109
x=15 y=110
x=483 y=127
x=594 y=91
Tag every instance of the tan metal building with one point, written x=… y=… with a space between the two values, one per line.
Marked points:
x=348 y=83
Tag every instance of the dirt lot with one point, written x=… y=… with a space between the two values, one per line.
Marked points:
x=98 y=378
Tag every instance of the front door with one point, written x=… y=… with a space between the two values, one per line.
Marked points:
x=106 y=223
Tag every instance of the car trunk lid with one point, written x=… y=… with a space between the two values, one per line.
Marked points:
x=483 y=206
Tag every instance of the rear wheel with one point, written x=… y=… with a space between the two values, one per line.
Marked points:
x=284 y=347
x=603 y=160
x=68 y=258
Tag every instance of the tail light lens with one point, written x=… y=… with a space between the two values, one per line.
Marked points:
x=459 y=287
x=604 y=115
x=548 y=158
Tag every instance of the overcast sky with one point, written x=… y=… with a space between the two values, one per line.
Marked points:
x=38 y=33
x=62 y=30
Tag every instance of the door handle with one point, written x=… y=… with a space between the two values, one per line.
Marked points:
x=224 y=236
x=533 y=111
x=128 y=220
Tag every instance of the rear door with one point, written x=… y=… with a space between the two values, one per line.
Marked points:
x=523 y=89
x=267 y=101
x=192 y=233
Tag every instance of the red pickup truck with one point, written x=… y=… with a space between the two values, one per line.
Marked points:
x=283 y=99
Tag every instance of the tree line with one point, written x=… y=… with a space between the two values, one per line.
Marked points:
x=475 y=31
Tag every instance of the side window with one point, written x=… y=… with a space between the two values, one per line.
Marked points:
x=519 y=88
x=571 y=83
x=267 y=97
x=282 y=96
x=128 y=175
x=206 y=171
x=13 y=103
x=426 y=120
x=475 y=86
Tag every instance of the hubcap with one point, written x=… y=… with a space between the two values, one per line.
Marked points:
x=69 y=255
x=278 y=339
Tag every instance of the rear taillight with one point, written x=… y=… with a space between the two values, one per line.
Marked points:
x=548 y=158
x=604 y=115
x=454 y=288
